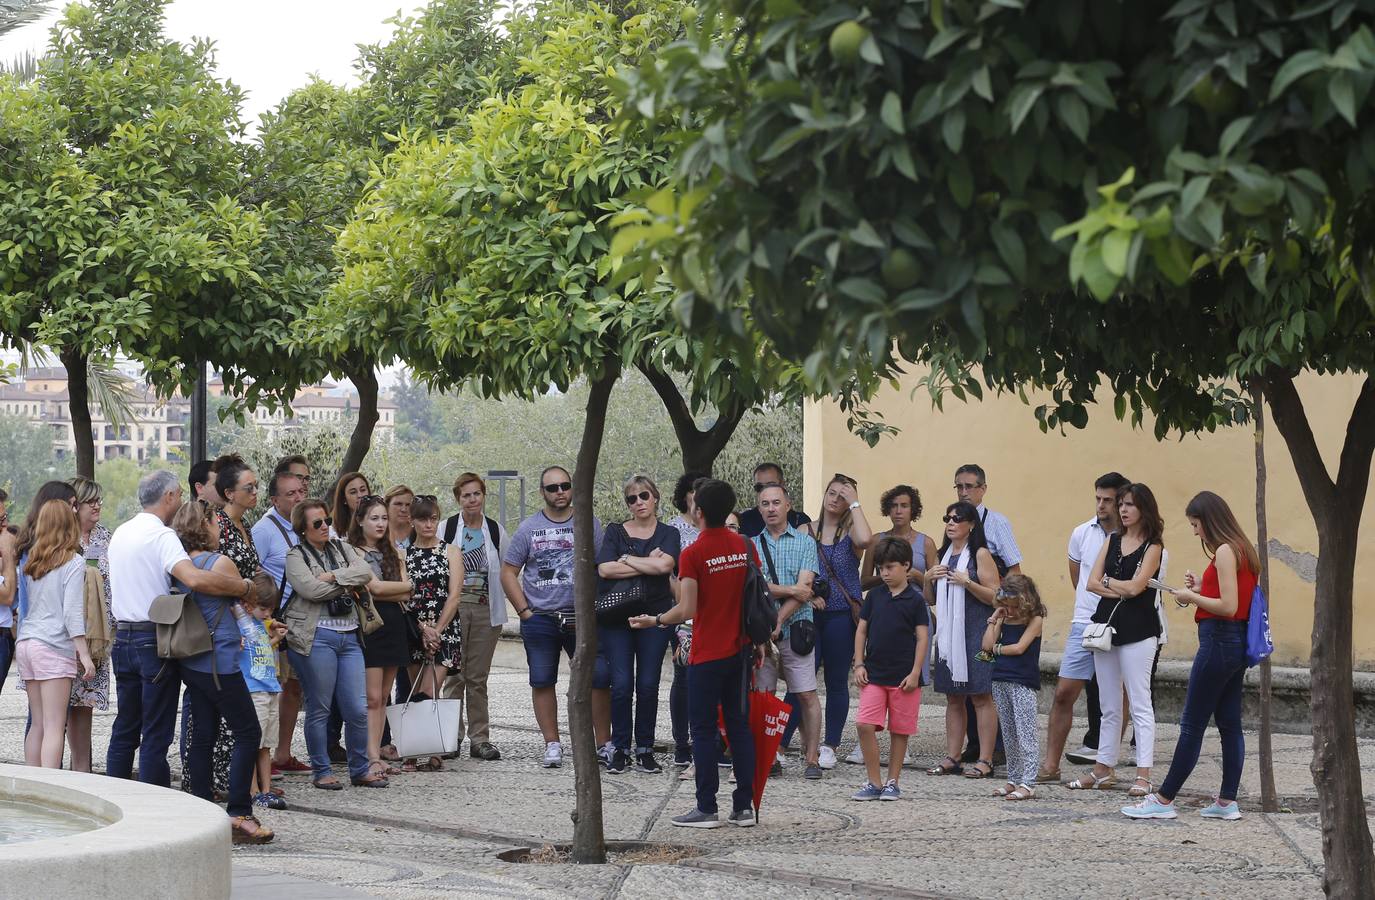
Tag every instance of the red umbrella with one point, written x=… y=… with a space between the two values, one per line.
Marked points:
x=768 y=717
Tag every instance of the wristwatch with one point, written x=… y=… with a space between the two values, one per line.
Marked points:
x=1105 y=580
x=854 y=506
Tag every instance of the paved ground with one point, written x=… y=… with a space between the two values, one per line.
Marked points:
x=438 y=835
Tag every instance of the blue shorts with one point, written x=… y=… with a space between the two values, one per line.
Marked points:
x=544 y=636
x=1077 y=663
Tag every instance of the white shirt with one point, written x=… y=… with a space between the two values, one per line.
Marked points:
x=1084 y=543
x=142 y=554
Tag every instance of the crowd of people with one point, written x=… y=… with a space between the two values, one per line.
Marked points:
x=333 y=608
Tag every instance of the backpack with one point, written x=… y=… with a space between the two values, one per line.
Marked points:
x=451 y=531
x=1259 y=644
x=758 y=611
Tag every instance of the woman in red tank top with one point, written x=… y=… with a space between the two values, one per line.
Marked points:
x=1223 y=602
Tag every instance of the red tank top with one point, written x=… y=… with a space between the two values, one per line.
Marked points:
x=1246 y=586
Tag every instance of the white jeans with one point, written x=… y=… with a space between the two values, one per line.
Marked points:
x=1128 y=665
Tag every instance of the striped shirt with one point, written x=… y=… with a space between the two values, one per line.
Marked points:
x=998 y=533
x=792 y=554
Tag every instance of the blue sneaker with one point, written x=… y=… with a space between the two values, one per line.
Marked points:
x=890 y=791
x=1150 y=808
x=1230 y=812
x=868 y=792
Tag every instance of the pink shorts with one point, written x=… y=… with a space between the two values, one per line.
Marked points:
x=39 y=662
x=880 y=705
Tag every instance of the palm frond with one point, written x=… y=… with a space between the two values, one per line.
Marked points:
x=18 y=13
x=111 y=390
x=25 y=68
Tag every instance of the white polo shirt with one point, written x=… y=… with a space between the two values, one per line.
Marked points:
x=143 y=551
x=1084 y=543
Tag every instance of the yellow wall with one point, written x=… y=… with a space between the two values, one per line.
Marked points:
x=1044 y=484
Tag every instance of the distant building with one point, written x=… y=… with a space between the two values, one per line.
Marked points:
x=159 y=428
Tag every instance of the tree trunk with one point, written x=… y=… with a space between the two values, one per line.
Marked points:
x=364 y=378
x=79 y=402
x=699 y=448
x=1348 y=857
x=589 y=839
x=1269 y=801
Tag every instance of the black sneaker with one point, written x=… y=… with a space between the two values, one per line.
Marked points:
x=682 y=758
x=620 y=761
x=645 y=762
x=743 y=818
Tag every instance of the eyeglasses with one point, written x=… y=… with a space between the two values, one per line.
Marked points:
x=735 y=528
x=642 y=495
x=557 y=488
x=948 y=519
x=760 y=485
x=321 y=523
x=428 y=498
x=961 y=488
x=93 y=504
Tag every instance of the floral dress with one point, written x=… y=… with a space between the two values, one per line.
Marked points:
x=95 y=693
x=238 y=547
x=429 y=571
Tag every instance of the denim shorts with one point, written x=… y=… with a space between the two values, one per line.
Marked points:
x=544 y=636
x=1077 y=663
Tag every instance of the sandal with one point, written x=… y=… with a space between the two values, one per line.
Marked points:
x=1023 y=792
x=981 y=769
x=408 y=765
x=371 y=781
x=942 y=769
x=332 y=785
x=1004 y=791
x=1093 y=783
x=261 y=834
x=435 y=764
x=1135 y=791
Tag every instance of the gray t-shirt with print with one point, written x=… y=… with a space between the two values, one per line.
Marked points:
x=543 y=549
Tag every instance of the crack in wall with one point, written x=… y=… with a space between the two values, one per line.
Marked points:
x=1304 y=565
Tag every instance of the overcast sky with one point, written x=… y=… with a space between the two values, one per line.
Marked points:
x=267 y=48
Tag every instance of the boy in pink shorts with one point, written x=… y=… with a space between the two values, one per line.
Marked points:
x=890 y=644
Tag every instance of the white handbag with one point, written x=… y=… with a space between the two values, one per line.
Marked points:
x=1097 y=635
x=425 y=727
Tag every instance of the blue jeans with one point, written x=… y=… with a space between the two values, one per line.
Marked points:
x=677 y=707
x=636 y=658
x=232 y=702
x=835 y=650
x=1214 y=692
x=333 y=672
x=721 y=683
x=544 y=636
x=147 y=713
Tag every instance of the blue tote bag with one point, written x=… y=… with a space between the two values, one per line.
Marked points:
x=1259 y=644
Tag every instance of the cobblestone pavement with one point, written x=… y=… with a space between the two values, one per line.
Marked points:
x=437 y=835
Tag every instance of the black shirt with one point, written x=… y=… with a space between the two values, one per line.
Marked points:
x=752 y=521
x=891 y=644
x=616 y=543
x=1136 y=619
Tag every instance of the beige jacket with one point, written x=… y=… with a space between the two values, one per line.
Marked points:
x=311 y=595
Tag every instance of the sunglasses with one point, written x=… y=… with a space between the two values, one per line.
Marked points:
x=967 y=487
x=558 y=487
x=250 y=488
x=760 y=485
x=370 y=497
x=428 y=498
x=948 y=519
x=845 y=479
x=631 y=498
x=321 y=523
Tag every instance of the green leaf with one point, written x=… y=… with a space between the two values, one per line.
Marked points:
x=1193 y=193
x=1010 y=248
x=982 y=83
x=891 y=113
x=1114 y=249
x=1100 y=280
x=1300 y=64
x=952 y=129
x=864 y=289
x=944 y=40
x=1341 y=89
x=1024 y=98
x=865 y=235
x=1232 y=134
x=1074 y=114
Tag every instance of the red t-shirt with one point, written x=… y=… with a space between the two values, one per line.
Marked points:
x=1246 y=586
x=717 y=562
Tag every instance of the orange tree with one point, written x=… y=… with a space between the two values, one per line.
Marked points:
x=1161 y=198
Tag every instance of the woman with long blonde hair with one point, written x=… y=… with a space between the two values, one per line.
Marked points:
x=52 y=632
x=1222 y=599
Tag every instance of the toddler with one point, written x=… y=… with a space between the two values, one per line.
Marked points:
x=1013 y=642
x=258 y=662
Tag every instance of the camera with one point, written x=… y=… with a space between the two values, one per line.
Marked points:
x=341 y=606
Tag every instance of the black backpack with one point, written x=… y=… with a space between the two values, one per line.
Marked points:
x=758 y=610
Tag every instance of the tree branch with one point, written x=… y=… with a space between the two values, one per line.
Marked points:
x=1353 y=472
x=699 y=448
x=1292 y=422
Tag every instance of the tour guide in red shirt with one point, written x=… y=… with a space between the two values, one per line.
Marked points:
x=711 y=577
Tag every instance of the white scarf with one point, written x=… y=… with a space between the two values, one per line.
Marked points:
x=950 y=638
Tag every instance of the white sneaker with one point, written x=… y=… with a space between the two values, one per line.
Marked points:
x=856 y=757
x=553 y=755
x=778 y=758
x=1084 y=756
x=827 y=758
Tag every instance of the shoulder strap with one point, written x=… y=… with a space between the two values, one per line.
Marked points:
x=494 y=530
x=830 y=570
x=983 y=520
x=768 y=557
x=286 y=535
x=451 y=528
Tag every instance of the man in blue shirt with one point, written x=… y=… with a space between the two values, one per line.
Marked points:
x=273 y=538
x=790 y=565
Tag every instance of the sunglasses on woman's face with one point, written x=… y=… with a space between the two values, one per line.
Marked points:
x=949 y=519
x=642 y=495
x=322 y=523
